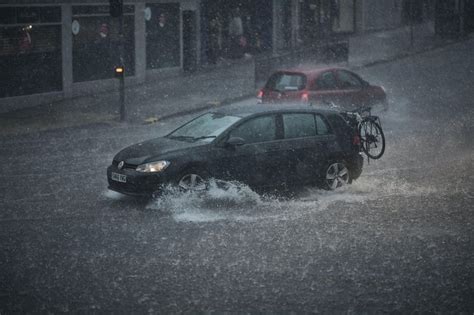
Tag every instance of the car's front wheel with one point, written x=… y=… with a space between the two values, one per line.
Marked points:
x=337 y=175
x=193 y=181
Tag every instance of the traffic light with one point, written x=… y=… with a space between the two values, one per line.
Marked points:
x=116 y=8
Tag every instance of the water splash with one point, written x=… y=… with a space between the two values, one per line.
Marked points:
x=110 y=194
x=237 y=202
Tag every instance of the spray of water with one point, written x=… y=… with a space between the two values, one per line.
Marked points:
x=109 y=194
x=237 y=202
x=413 y=166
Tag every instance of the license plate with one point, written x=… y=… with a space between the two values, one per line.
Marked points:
x=119 y=177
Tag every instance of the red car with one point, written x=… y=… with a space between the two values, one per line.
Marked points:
x=336 y=86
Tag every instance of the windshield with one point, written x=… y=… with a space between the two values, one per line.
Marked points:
x=286 y=82
x=205 y=127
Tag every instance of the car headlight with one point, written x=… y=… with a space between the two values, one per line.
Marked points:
x=153 y=167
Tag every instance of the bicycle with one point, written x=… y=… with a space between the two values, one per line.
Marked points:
x=369 y=128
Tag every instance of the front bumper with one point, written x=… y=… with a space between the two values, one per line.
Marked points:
x=137 y=183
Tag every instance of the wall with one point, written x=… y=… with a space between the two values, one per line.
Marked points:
x=374 y=15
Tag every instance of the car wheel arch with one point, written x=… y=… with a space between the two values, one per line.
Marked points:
x=196 y=167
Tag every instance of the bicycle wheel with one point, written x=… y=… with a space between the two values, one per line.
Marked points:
x=372 y=139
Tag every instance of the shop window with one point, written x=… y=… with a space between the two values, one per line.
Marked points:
x=7 y=16
x=96 y=43
x=321 y=18
x=30 y=54
x=257 y=24
x=50 y=14
x=162 y=35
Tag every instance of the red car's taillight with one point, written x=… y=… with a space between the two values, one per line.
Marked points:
x=260 y=96
x=305 y=97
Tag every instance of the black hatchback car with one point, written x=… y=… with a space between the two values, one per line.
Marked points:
x=260 y=146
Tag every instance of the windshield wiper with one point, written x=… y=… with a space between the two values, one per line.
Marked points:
x=190 y=138
x=203 y=137
x=181 y=137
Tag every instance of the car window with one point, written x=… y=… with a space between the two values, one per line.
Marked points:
x=326 y=81
x=299 y=125
x=322 y=126
x=348 y=80
x=259 y=129
x=286 y=82
x=338 y=123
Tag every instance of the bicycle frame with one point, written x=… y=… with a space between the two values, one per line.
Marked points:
x=359 y=117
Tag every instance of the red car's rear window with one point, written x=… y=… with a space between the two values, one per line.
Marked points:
x=286 y=81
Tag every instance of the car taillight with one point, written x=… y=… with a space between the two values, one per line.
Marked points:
x=305 y=97
x=260 y=96
x=356 y=140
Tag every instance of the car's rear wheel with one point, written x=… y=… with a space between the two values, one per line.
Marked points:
x=337 y=175
x=193 y=180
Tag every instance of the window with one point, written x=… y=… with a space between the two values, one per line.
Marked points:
x=30 y=15
x=259 y=129
x=348 y=80
x=162 y=35
x=326 y=81
x=338 y=123
x=96 y=43
x=30 y=50
x=299 y=125
x=321 y=125
x=286 y=82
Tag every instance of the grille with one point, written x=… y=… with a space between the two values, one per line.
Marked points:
x=125 y=165
x=129 y=166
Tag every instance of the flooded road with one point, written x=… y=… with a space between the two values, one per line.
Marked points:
x=399 y=239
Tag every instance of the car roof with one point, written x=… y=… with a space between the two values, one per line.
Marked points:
x=244 y=111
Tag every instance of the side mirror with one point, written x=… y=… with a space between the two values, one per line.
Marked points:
x=235 y=141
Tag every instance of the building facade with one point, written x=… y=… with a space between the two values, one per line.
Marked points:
x=53 y=49
x=454 y=17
